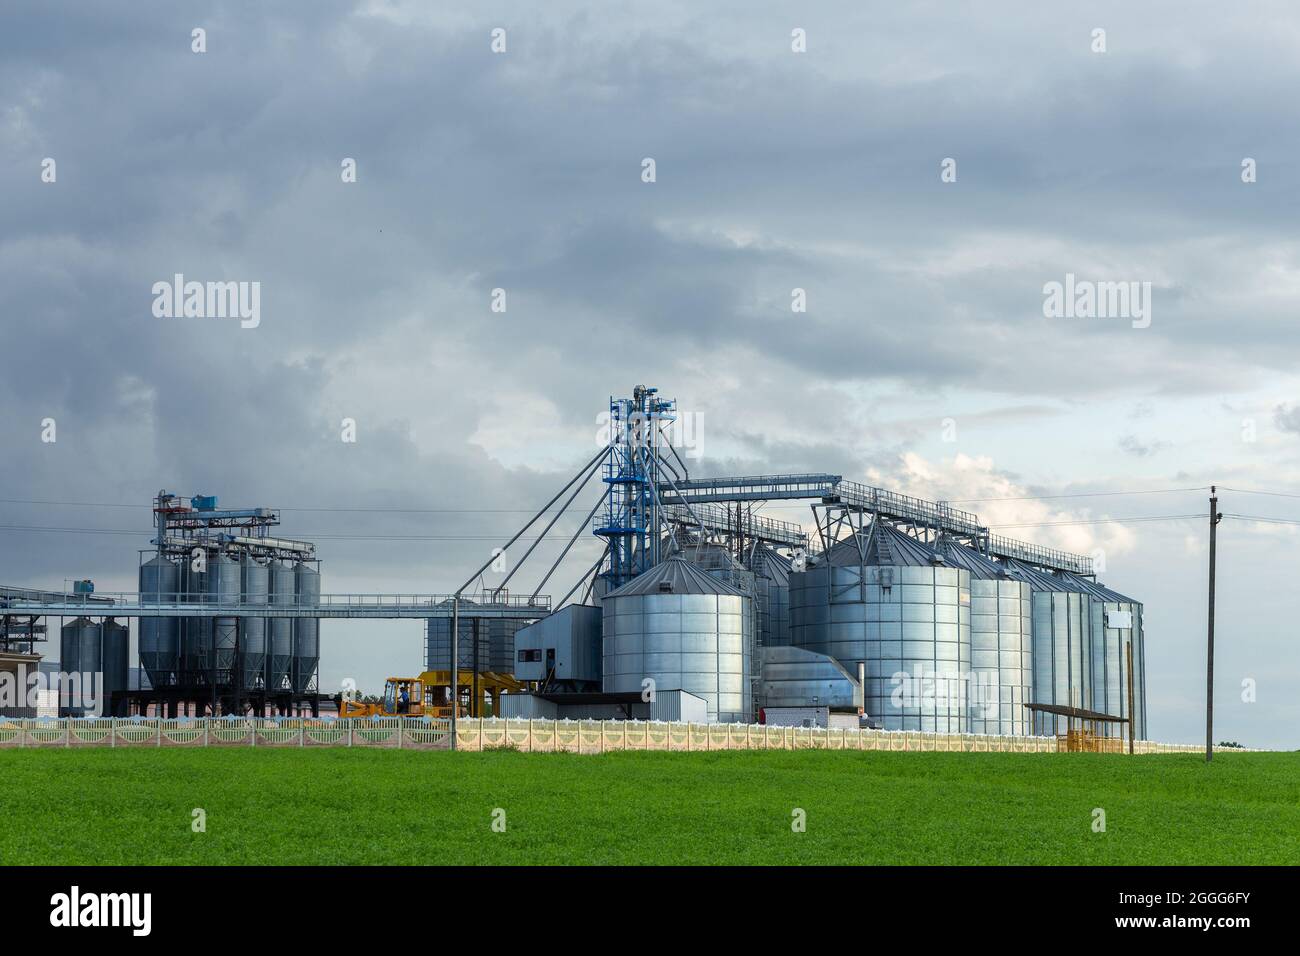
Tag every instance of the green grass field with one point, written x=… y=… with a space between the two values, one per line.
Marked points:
x=344 y=806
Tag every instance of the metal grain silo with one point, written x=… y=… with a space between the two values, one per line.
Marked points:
x=223 y=588
x=160 y=637
x=772 y=596
x=255 y=588
x=282 y=592
x=885 y=600
x=196 y=632
x=685 y=630
x=501 y=644
x=115 y=660
x=1061 y=637
x=1001 y=621
x=473 y=648
x=717 y=561
x=1116 y=624
x=80 y=646
x=306 y=630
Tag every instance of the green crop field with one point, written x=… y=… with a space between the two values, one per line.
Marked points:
x=328 y=806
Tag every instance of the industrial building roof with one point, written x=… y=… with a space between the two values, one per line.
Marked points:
x=676 y=575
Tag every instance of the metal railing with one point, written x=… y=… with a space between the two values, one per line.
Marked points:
x=169 y=604
x=759 y=527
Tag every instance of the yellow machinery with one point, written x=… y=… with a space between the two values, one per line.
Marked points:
x=426 y=695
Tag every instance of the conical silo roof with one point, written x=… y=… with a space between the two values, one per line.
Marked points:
x=1039 y=580
x=1098 y=590
x=979 y=566
x=880 y=545
x=770 y=564
x=674 y=576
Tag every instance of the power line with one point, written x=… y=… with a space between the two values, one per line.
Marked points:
x=1247 y=491
x=1080 y=494
x=1263 y=518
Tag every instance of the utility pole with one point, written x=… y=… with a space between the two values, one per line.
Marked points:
x=1215 y=518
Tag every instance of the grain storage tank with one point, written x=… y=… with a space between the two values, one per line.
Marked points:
x=473 y=649
x=501 y=644
x=771 y=596
x=887 y=601
x=223 y=588
x=718 y=562
x=255 y=590
x=1116 y=624
x=115 y=658
x=1061 y=638
x=1001 y=654
x=281 y=592
x=160 y=637
x=306 y=630
x=80 y=646
x=196 y=632
x=685 y=630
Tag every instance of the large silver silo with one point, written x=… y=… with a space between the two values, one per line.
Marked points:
x=196 y=632
x=224 y=588
x=80 y=647
x=1001 y=622
x=115 y=661
x=1116 y=625
x=282 y=592
x=885 y=600
x=160 y=640
x=1061 y=637
x=718 y=562
x=255 y=588
x=306 y=630
x=772 y=596
x=684 y=630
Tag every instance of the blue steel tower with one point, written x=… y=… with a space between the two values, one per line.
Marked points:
x=631 y=520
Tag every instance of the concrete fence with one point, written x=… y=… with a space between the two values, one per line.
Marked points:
x=529 y=736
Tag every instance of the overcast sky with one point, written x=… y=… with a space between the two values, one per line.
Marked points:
x=924 y=362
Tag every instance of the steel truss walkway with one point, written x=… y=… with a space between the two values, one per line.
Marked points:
x=834 y=490
x=720 y=520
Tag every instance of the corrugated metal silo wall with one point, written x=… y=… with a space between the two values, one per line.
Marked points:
x=910 y=628
x=306 y=630
x=159 y=637
x=282 y=592
x=196 y=632
x=1062 y=633
x=1113 y=663
x=80 y=646
x=699 y=643
x=473 y=648
x=501 y=644
x=255 y=585
x=116 y=662
x=223 y=588
x=1001 y=656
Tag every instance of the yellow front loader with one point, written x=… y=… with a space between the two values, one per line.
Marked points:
x=426 y=695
